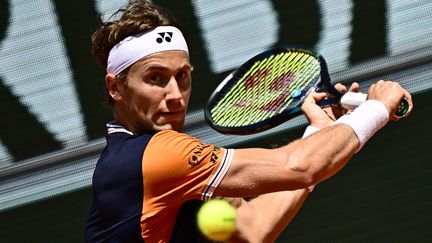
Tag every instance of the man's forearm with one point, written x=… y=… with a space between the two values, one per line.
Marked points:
x=325 y=152
x=263 y=218
x=321 y=154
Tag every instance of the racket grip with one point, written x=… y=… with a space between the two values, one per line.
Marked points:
x=351 y=100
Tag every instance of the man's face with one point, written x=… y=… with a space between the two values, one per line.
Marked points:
x=156 y=93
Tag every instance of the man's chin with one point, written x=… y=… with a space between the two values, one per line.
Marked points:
x=177 y=126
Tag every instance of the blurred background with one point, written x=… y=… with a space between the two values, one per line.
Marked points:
x=52 y=119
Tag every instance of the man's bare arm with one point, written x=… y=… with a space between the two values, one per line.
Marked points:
x=297 y=165
x=262 y=219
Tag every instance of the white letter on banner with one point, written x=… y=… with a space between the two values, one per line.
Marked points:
x=335 y=38
x=234 y=31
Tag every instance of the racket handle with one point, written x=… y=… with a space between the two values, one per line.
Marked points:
x=351 y=100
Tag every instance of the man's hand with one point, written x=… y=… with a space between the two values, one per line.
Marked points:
x=390 y=94
x=323 y=117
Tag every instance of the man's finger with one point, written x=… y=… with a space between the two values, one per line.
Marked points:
x=318 y=96
x=355 y=87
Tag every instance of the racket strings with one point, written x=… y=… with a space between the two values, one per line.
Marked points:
x=256 y=93
x=246 y=90
x=301 y=72
x=258 y=115
x=266 y=89
x=284 y=74
x=237 y=96
x=305 y=78
x=280 y=83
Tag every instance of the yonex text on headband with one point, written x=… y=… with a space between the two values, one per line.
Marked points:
x=133 y=48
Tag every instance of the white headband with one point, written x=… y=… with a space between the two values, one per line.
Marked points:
x=133 y=48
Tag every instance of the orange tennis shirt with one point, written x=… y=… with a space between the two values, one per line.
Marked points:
x=145 y=180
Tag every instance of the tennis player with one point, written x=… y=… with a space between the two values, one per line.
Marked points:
x=151 y=178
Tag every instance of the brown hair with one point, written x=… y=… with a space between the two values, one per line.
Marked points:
x=137 y=16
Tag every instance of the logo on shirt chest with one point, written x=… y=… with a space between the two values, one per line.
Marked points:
x=214 y=155
x=197 y=154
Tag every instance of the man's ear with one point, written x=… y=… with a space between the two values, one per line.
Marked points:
x=114 y=87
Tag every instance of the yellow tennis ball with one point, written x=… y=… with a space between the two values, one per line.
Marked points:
x=216 y=220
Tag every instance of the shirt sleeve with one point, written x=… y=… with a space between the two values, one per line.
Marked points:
x=177 y=167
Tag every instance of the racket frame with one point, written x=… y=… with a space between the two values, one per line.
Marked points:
x=323 y=83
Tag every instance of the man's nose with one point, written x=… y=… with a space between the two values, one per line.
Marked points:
x=173 y=92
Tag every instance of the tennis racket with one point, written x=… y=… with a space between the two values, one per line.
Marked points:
x=270 y=88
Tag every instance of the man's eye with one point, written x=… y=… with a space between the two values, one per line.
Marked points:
x=181 y=75
x=155 y=79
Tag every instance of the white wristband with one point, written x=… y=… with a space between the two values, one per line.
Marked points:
x=309 y=130
x=366 y=120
